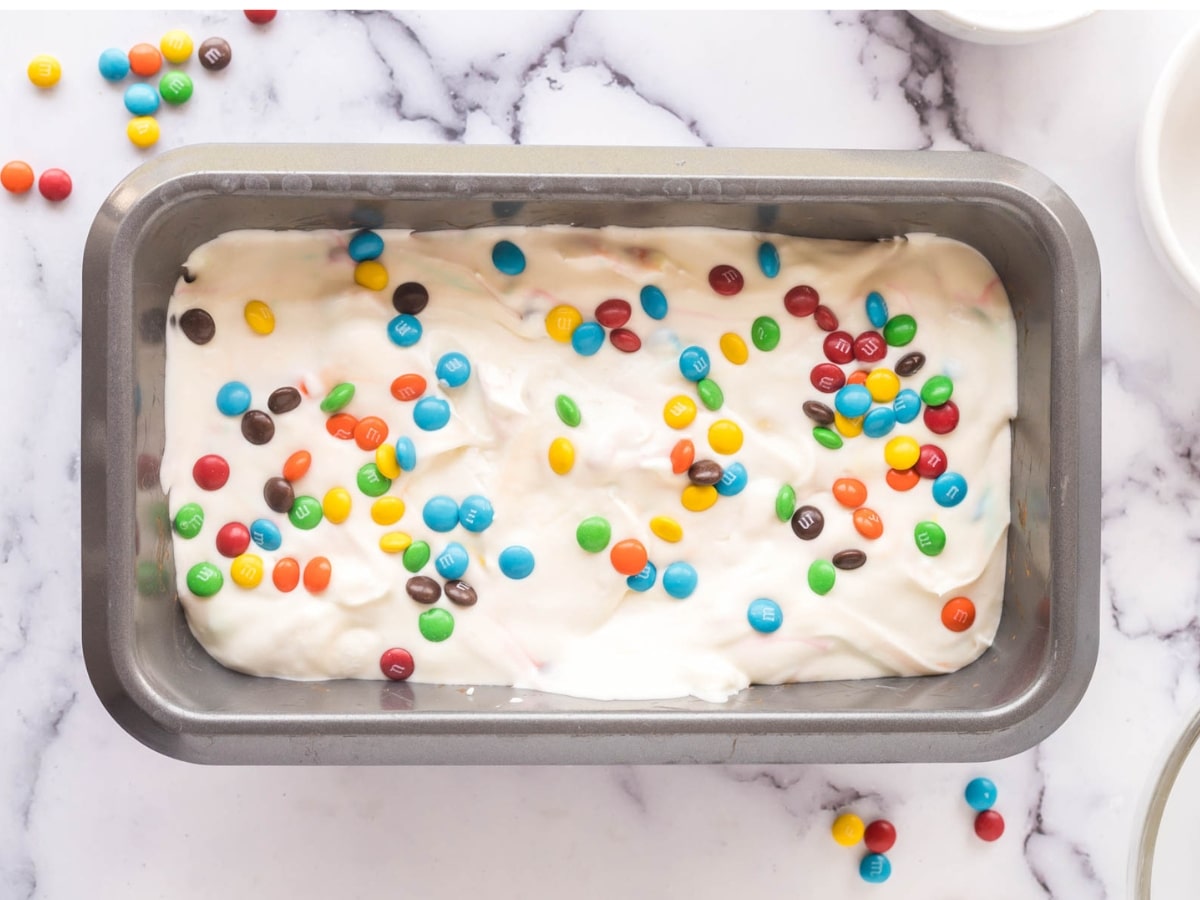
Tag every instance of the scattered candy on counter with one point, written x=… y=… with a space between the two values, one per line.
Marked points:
x=55 y=185
x=16 y=177
x=44 y=71
x=215 y=54
x=981 y=796
x=176 y=47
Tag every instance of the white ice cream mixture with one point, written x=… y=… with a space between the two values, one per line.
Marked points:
x=573 y=626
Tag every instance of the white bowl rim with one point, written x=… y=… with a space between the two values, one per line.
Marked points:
x=1154 y=212
x=1036 y=23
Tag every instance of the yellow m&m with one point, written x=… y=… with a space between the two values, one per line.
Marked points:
x=371 y=274
x=44 y=70
x=848 y=829
x=336 y=505
x=247 y=570
x=667 y=529
x=143 y=131
x=259 y=317
x=176 y=46
x=395 y=542
x=902 y=452
x=725 y=437
x=562 y=321
x=699 y=497
x=387 y=510
x=883 y=385
x=734 y=348
x=680 y=411
x=561 y=456
x=386 y=461
x=848 y=427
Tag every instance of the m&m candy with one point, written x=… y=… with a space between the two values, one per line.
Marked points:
x=764 y=615
x=508 y=258
x=588 y=338
x=453 y=369
x=143 y=131
x=44 y=70
x=260 y=16
x=431 y=413
x=145 y=60
x=113 y=64
x=643 y=580
x=55 y=185
x=16 y=177
x=440 y=513
x=452 y=562
x=476 y=513
x=176 y=88
x=176 y=46
x=516 y=562
x=679 y=580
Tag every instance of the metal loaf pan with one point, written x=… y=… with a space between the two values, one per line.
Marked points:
x=164 y=689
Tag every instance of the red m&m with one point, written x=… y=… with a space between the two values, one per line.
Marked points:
x=726 y=280
x=211 y=472
x=55 y=185
x=233 y=539
x=941 y=419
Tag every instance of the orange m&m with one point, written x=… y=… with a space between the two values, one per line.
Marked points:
x=286 y=574
x=297 y=465
x=850 y=492
x=317 y=574
x=16 y=177
x=370 y=432
x=958 y=614
x=628 y=557
x=145 y=60
x=867 y=523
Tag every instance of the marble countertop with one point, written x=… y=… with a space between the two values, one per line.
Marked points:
x=87 y=811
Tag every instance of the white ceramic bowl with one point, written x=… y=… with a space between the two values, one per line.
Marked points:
x=1012 y=26
x=1168 y=166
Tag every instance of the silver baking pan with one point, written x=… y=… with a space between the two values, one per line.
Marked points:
x=159 y=684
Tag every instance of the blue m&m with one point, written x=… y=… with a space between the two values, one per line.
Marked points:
x=907 y=406
x=679 y=580
x=516 y=562
x=852 y=401
x=764 y=615
x=875 y=868
x=114 y=64
x=476 y=513
x=508 y=258
x=365 y=245
x=141 y=99
x=643 y=580
x=233 y=398
x=440 y=513
x=879 y=422
x=949 y=489
x=453 y=561
x=877 y=311
x=980 y=794
x=768 y=259
x=453 y=369
x=406 y=453
x=694 y=363
x=588 y=338
x=266 y=534
x=404 y=330
x=654 y=302
x=430 y=414
x=733 y=480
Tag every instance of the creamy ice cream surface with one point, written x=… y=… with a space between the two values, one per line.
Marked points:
x=574 y=624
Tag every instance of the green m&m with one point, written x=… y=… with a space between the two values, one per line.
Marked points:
x=593 y=534
x=189 y=520
x=204 y=579
x=930 y=538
